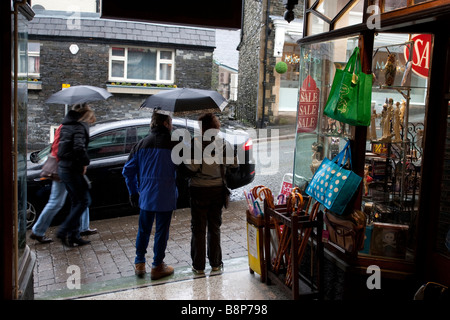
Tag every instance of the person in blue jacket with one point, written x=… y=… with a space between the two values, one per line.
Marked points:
x=150 y=176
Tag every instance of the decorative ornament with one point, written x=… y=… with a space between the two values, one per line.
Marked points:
x=390 y=69
x=281 y=67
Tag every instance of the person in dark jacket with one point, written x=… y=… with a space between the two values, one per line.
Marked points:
x=150 y=176
x=73 y=161
x=207 y=191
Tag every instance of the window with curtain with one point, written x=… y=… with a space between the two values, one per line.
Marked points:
x=141 y=65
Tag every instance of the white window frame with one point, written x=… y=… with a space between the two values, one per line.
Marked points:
x=159 y=61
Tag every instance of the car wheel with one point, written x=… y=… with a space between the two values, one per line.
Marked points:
x=31 y=215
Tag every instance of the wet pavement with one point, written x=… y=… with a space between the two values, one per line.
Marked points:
x=106 y=265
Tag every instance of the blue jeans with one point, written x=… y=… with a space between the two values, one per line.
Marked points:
x=146 y=219
x=80 y=200
x=58 y=195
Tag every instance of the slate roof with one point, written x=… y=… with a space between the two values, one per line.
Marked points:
x=89 y=25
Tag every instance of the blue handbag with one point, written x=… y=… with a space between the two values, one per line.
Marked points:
x=332 y=185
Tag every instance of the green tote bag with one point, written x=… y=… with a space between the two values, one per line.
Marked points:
x=351 y=94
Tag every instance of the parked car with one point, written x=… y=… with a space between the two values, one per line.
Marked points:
x=109 y=147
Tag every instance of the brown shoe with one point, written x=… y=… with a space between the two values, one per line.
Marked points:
x=139 y=269
x=161 y=271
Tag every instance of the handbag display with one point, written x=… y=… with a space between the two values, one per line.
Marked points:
x=332 y=185
x=50 y=169
x=351 y=94
x=347 y=232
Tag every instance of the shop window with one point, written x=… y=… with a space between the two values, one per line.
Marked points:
x=141 y=65
x=390 y=188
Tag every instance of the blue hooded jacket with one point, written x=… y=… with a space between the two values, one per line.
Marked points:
x=151 y=172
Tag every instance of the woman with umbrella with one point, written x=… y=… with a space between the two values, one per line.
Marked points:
x=208 y=193
x=72 y=165
x=57 y=199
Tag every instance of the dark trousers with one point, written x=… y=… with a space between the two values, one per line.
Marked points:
x=206 y=219
x=146 y=219
x=80 y=198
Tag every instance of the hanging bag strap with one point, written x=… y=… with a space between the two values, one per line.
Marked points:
x=345 y=155
x=354 y=65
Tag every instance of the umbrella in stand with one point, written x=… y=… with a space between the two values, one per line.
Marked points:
x=79 y=94
x=185 y=100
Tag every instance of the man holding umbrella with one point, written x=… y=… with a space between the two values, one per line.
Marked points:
x=150 y=176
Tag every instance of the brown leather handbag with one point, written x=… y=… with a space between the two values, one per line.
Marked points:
x=347 y=232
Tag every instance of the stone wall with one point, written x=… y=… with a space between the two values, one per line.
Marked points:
x=90 y=67
x=251 y=61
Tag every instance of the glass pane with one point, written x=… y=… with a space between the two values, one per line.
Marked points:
x=117 y=70
x=331 y=8
x=317 y=135
x=107 y=144
x=131 y=139
x=165 y=55
x=34 y=47
x=316 y=25
x=394 y=4
x=142 y=132
x=288 y=97
x=352 y=16
x=141 y=64
x=118 y=52
x=165 y=71
x=33 y=64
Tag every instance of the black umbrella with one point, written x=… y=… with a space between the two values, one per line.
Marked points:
x=185 y=100
x=79 y=94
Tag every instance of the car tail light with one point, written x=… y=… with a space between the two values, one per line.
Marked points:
x=248 y=145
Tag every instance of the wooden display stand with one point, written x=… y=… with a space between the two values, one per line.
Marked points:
x=300 y=287
x=255 y=243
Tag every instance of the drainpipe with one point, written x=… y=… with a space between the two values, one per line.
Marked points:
x=264 y=84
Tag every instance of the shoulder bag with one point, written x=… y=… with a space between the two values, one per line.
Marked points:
x=351 y=94
x=332 y=185
x=50 y=168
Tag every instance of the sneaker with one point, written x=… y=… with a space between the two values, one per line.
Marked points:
x=220 y=267
x=161 y=271
x=199 y=272
x=139 y=269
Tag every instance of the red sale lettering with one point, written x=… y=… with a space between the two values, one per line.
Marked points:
x=308 y=106
x=421 y=54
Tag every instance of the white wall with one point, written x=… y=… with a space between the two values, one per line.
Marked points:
x=67 y=5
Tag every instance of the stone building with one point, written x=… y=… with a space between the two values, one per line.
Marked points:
x=266 y=39
x=132 y=60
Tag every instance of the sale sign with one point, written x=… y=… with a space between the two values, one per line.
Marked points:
x=308 y=106
x=421 y=56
